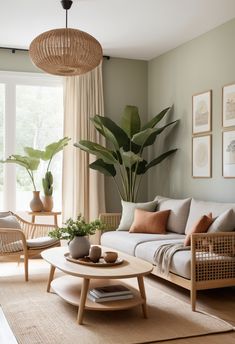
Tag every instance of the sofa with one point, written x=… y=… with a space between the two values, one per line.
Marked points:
x=208 y=263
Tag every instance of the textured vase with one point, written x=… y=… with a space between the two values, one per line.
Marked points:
x=36 y=203
x=79 y=247
x=95 y=253
x=47 y=203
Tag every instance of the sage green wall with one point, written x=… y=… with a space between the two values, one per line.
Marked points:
x=204 y=63
x=17 y=62
x=125 y=82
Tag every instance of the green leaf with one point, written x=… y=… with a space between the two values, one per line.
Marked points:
x=156 y=119
x=96 y=149
x=101 y=166
x=105 y=131
x=141 y=169
x=130 y=121
x=155 y=132
x=159 y=159
x=141 y=137
x=24 y=161
x=54 y=148
x=34 y=153
x=129 y=158
x=119 y=134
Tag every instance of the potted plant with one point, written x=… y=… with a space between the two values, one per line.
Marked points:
x=125 y=160
x=31 y=165
x=76 y=232
x=47 y=155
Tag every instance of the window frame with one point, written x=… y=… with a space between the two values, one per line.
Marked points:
x=11 y=79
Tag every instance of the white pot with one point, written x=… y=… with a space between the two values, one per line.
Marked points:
x=79 y=247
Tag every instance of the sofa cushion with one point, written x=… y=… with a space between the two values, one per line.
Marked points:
x=150 y=222
x=201 y=226
x=128 y=211
x=179 y=212
x=223 y=223
x=181 y=260
x=199 y=208
x=127 y=242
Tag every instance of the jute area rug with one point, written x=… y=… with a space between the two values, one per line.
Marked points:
x=37 y=317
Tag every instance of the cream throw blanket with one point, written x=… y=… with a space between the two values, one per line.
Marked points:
x=163 y=256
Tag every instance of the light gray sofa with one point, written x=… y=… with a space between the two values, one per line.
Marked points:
x=210 y=263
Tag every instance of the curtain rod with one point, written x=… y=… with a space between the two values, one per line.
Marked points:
x=13 y=50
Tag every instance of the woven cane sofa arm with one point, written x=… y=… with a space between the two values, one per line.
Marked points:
x=11 y=241
x=33 y=230
x=111 y=220
x=213 y=256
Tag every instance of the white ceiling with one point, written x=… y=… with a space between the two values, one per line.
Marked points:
x=139 y=29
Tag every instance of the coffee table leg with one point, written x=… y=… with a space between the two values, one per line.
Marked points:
x=82 y=302
x=51 y=276
x=143 y=295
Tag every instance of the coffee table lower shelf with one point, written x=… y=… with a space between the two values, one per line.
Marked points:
x=69 y=288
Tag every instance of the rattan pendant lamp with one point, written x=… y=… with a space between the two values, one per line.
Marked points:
x=65 y=51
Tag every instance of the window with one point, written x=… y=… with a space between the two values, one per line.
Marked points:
x=33 y=117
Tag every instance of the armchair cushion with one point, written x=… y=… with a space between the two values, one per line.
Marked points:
x=9 y=221
x=41 y=242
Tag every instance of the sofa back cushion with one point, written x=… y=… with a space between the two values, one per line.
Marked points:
x=150 y=222
x=199 y=208
x=223 y=223
x=128 y=211
x=179 y=212
x=200 y=226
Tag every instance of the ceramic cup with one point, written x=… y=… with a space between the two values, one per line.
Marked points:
x=110 y=256
x=94 y=253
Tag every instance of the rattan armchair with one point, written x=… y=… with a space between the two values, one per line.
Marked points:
x=15 y=243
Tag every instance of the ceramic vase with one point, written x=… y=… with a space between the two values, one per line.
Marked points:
x=79 y=247
x=36 y=203
x=47 y=203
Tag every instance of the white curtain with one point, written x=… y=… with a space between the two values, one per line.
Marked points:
x=83 y=188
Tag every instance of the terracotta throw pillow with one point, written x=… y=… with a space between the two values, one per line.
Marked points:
x=149 y=222
x=201 y=226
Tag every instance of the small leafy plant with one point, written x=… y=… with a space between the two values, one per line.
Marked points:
x=76 y=228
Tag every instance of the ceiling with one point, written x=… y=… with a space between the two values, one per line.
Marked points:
x=138 y=29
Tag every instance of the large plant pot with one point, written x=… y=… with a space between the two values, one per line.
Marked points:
x=47 y=203
x=79 y=247
x=36 y=203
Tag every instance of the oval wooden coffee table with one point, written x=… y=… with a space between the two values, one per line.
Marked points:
x=73 y=287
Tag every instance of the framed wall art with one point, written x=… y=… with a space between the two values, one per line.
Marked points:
x=229 y=154
x=229 y=105
x=201 y=111
x=201 y=156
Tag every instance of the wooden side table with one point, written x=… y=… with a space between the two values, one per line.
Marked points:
x=45 y=213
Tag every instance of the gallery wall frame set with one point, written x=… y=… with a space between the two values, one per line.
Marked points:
x=202 y=138
x=228 y=134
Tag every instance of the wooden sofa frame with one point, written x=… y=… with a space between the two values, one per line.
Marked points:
x=212 y=260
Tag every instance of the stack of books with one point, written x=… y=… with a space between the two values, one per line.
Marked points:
x=110 y=293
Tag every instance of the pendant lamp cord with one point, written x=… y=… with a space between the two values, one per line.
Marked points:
x=66 y=19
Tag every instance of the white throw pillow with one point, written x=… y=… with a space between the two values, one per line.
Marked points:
x=179 y=212
x=9 y=221
x=223 y=223
x=128 y=211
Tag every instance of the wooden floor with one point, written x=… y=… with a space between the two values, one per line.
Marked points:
x=218 y=302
